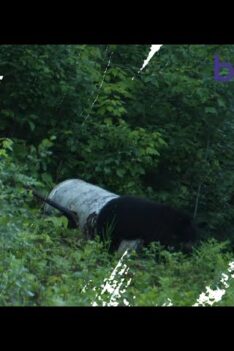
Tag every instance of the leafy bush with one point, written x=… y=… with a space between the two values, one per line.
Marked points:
x=72 y=111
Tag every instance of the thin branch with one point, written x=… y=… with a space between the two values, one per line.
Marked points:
x=202 y=181
x=71 y=216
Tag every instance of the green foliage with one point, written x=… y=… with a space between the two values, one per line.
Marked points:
x=74 y=111
x=163 y=275
x=116 y=156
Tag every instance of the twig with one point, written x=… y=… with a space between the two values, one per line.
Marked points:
x=71 y=216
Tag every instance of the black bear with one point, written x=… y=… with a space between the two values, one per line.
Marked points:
x=131 y=218
x=125 y=218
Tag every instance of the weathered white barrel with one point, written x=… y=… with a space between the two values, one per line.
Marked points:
x=83 y=198
x=86 y=200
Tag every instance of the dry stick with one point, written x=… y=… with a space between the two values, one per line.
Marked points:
x=71 y=216
x=99 y=88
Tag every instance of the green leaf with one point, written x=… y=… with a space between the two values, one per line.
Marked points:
x=32 y=125
x=58 y=222
x=210 y=110
x=120 y=173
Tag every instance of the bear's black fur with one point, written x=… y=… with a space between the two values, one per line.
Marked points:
x=131 y=218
